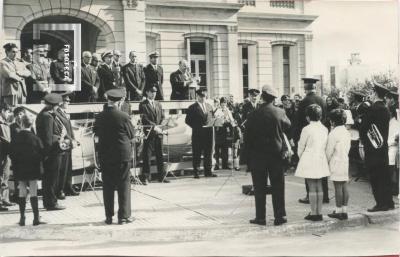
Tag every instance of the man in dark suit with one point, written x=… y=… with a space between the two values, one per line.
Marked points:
x=310 y=98
x=152 y=115
x=180 y=81
x=90 y=80
x=115 y=132
x=154 y=75
x=106 y=75
x=264 y=146
x=57 y=70
x=117 y=68
x=198 y=115
x=250 y=104
x=133 y=74
x=65 y=178
x=49 y=130
x=376 y=156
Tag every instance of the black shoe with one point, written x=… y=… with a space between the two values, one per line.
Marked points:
x=211 y=175
x=325 y=200
x=196 y=175
x=61 y=196
x=377 y=208
x=22 y=221
x=55 y=208
x=336 y=215
x=108 y=220
x=258 y=222
x=345 y=216
x=165 y=180
x=313 y=217
x=125 y=221
x=7 y=204
x=216 y=167
x=37 y=222
x=304 y=200
x=3 y=208
x=225 y=167
x=280 y=221
x=71 y=192
x=145 y=182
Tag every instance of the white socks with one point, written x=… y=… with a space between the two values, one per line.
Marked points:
x=344 y=209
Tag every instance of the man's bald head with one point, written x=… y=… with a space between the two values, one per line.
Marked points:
x=183 y=65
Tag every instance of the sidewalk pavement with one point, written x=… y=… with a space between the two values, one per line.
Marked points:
x=188 y=210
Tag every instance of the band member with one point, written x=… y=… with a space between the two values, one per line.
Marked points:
x=154 y=75
x=106 y=75
x=41 y=77
x=197 y=117
x=310 y=98
x=264 y=147
x=356 y=106
x=27 y=157
x=180 y=81
x=133 y=74
x=374 y=132
x=65 y=177
x=115 y=132
x=57 y=69
x=117 y=67
x=251 y=104
x=5 y=163
x=90 y=80
x=13 y=74
x=49 y=130
x=152 y=115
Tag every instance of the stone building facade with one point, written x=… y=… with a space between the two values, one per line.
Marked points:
x=232 y=45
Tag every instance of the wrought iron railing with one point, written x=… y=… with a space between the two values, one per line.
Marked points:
x=282 y=3
x=248 y=2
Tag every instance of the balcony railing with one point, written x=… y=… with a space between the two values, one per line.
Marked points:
x=282 y=4
x=248 y=2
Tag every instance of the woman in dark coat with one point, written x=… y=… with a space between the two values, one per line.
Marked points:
x=26 y=156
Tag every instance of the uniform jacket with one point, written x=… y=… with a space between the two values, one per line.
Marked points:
x=107 y=79
x=379 y=115
x=134 y=78
x=247 y=109
x=40 y=75
x=264 y=135
x=196 y=118
x=49 y=131
x=337 y=153
x=311 y=151
x=64 y=117
x=26 y=156
x=89 y=80
x=155 y=78
x=311 y=98
x=11 y=73
x=115 y=132
x=151 y=116
x=180 y=91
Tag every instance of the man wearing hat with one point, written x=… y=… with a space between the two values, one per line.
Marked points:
x=376 y=156
x=115 y=133
x=40 y=77
x=154 y=75
x=90 y=80
x=264 y=146
x=310 y=98
x=49 y=130
x=65 y=178
x=197 y=117
x=106 y=75
x=251 y=103
x=133 y=74
x=152 y=115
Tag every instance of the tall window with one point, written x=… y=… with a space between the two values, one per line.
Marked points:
x=333 y=75
x=282 y=3
x=286 y=70
x=198 y=61
x=245 y=70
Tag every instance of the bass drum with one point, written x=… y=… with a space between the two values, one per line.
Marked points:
x=361 y=151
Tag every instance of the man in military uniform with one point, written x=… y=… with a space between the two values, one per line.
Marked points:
x=40 y=76
x=154 y=75
x=106 y=75
x=115 y=132
x=133 y=74
x=152 y=115
x=197 y=117
x=250 y=104
x=264 y=144
x=310 y=98
x=376 y=156
x=49 y=130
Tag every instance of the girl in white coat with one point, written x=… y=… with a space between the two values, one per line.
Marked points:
x=337 y=153
x=313 y=165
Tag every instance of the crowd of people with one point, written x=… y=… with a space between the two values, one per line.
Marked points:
x=267 y=132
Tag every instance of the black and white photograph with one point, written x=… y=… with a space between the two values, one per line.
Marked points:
x=199 y=127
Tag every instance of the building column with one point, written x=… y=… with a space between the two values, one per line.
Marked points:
x=135 y=28
x=1 y=28
x=233 y=52
x=308 y=54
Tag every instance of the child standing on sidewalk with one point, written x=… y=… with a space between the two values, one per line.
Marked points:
x=313 y=165
x=26 y=157
x=337 y=153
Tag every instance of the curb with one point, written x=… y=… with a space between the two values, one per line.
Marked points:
x=99 y=231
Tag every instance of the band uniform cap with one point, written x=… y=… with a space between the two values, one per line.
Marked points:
x=358 y=93
x=106 y=53
x=154 y=54
x=284 y=98
x=66 y=95
x=269 y=90
x=115 y=94
x=201 y=92
x=394 y=93
x=380 y=87
x=309 y=83
x=254 y=91
x=53 y=98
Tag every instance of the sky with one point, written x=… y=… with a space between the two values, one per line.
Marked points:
x=354 y=26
